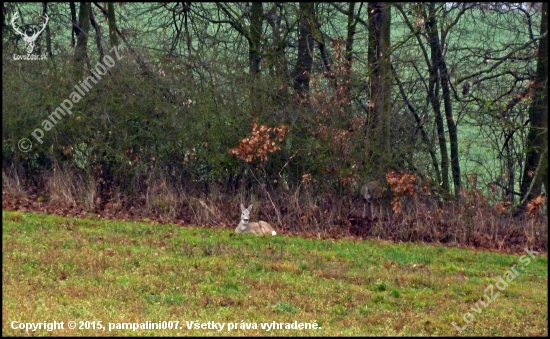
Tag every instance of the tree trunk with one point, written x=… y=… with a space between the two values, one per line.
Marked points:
x=439 y=62
x=379 y=113
x=82 y=31
x=351 y=30
x=74 y=31
x=433 y=95
x=304 y=62
x=111 y=18
x=277 y=58
x=97 y=30
x=256 y=23
x=537 y=138
x=48 y=32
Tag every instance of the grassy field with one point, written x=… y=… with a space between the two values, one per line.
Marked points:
x=111 y=274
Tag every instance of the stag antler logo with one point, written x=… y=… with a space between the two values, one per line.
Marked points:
x=29 y=39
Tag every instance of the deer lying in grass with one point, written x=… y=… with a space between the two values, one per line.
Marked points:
x=371 y=192
x=259 y=228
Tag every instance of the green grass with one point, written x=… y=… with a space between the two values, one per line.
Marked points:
x=90 y=271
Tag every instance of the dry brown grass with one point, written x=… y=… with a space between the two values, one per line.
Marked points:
x=66 y=187
x=11 y=183
x=407 y=216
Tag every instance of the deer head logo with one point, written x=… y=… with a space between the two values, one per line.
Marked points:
x=29 y=40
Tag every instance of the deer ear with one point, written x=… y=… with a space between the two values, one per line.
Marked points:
x=242 y=207
x=250 y=207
